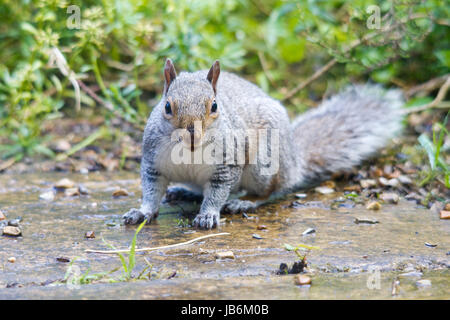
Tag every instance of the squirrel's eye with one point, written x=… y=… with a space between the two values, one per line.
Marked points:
x=168 y=108
x=214 y=107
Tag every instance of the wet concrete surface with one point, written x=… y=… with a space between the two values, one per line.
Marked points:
x=351 y=255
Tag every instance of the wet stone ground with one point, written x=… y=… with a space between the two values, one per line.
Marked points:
x=356 y=260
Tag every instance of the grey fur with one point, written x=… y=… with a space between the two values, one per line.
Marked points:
x=334 y=137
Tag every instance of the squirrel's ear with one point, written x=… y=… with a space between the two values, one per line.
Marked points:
x=169 y=74
x=213 y=74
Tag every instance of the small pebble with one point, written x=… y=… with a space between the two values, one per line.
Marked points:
x=2 y=216
x=430 y=245
x=225 y=255
x=71 y=192
x=261 y=227
x=14 y=222
x=445 y=214
x=12 y=259
x=324 y=190
x=373 y=205
x=11 y=231
x=90 y=235
x=405 y=180
x=390 y=197
x=256 y=236
x=308 y=231
x=301 y=195
x=84 y=170
x=64 y=184
x=393 y=183
x=120 y=193
x=411 y=274
x=367 y=183
x=302 y=280
x=83 y=190
x=49 y=196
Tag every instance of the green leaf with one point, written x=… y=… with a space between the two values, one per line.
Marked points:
x=426 y=143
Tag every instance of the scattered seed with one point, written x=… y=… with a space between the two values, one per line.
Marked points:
x=12 y=259
x=63 y=259
x=430 y=245
x=365 y=220
x=445 y=214
x=301 y=195
x=373 y=205
x=225 y=255
x=90 y=235
x=120 y=193
x=302 y=280
x=256 y=236
x=330 y=184
x=2 y=216
x=308 y=231
x=261 y=227
x=352 y=188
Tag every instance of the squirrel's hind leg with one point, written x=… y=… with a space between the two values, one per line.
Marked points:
x=182 y=194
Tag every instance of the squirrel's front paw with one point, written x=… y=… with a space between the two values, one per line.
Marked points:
x=207 y=220
x=135 y=216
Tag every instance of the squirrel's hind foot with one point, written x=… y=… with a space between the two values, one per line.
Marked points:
x=234 y=206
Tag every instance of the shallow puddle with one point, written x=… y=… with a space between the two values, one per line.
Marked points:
x=354 y=260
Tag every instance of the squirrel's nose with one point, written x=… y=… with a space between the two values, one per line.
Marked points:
x=191 y=129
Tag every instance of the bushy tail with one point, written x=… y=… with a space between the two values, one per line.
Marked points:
x=345 y=130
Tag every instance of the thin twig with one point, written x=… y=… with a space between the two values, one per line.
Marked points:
x=352 y=46
x=158 y=248
x=263 y=62
x=440 y=96
x=427 y=86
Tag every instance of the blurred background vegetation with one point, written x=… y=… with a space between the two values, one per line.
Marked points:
x=298 y=51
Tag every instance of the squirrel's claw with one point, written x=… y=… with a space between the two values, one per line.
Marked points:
x=206 y=220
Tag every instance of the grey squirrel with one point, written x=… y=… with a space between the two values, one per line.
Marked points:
x=333 y=137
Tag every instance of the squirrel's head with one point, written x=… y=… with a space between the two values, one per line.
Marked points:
x=190 y=101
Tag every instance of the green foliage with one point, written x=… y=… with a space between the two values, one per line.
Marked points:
x=127 y=267
x=433 y=150
x=299 y=248
x=119 y=48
